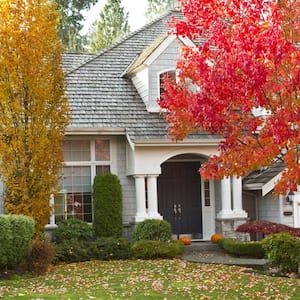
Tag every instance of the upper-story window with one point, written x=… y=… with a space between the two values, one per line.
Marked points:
x=83 y=160
x=171 y=74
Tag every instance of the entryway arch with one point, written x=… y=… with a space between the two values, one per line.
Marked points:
x=184 y=199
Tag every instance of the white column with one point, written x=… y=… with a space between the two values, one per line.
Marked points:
x=226 y=211
x=140 y=194
x=51 y=224
x=52 y=215
x=237 y=197
x=152 y=197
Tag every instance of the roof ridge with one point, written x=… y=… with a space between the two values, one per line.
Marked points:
x=121 y=40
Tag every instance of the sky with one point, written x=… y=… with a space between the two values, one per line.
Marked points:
x=136 y=9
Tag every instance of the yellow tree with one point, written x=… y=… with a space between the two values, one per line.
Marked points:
x=34 y=110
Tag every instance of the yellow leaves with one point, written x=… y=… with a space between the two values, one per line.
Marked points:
x=33 y=107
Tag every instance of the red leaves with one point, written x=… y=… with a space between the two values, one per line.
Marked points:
x=248 y=60
x=266 y=227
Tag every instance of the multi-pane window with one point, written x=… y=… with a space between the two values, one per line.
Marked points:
x=83 y=160
x=206 y=193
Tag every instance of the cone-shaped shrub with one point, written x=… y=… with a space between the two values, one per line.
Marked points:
x=107 y=197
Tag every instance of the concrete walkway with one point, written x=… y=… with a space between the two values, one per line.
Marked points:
x=206 y=252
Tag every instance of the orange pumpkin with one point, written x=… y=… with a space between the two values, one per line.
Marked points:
x=216 y=237
x=186 y=240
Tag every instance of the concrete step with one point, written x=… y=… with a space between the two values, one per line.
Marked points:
x=203 y=246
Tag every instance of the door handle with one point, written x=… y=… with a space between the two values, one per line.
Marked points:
x=175 y=210
x=179 y=210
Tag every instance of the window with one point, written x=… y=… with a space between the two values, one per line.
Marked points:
x=206 y=193
x=76 y=150
x=75 y=197
x=83 y=160
x=168 y=74
x=102 y=150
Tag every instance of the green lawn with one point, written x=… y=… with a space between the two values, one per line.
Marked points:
x=156 y=279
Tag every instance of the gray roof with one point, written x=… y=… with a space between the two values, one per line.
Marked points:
x=100 y=97
x=264 y=175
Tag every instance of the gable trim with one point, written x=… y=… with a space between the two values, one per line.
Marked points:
x=269 y=186
x=163 y=46
x=265 y=188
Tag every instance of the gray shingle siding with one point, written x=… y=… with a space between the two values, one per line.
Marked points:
x=166 y=61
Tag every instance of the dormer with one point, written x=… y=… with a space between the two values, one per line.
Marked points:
x=148 y=69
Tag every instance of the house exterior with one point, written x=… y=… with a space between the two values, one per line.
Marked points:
x=117 y=127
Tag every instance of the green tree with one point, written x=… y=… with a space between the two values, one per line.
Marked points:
x=156 y=8
x=70 y=22
x=113 y=24
x=33 y=108
x=107 y=201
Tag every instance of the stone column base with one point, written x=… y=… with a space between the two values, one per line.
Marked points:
x=227 y=228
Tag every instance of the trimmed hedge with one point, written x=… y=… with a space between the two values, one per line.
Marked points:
x=149 y=249
x=105 y=248
x=107 y=201
x=16 y=233
x=109 y=248
x=152 y=229
x=239 y=248
x=283 y=251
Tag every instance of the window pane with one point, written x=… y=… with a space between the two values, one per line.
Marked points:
x=78 y=150
x=169 y=74
x=102 y=150
x=75 y=199
x=102 y=170
x=206 y=193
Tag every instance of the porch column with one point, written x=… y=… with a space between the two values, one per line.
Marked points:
x=52 y=214
x=237 y=198
x=152 y=197
x=226 y=211
x=140 y=195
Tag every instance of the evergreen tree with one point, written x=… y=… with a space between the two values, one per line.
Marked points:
x=113 y=24
x=70 y=22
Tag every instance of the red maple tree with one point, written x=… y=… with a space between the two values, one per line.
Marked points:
x=241 y=82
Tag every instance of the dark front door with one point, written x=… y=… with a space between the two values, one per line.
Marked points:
x=179 y=197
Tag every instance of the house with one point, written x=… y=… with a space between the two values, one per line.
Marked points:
x=117 y=127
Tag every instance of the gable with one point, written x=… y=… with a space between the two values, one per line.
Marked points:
x=159 y=57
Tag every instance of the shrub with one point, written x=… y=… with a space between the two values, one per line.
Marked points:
x=149 y=249
x=72 y=250
x=108 y=248
x=283 y=251
x=266 y=227
x=105 y=248
x=40 y=257
x=240 y=248
x=73 y=228
x=16 y=232
x=152 y=229
x=107 y=201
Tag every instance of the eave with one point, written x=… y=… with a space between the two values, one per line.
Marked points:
x=95 y=131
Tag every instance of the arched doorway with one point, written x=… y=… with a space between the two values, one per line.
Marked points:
x=179 y=195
